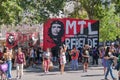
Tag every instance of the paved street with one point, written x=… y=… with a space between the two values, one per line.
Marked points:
x=94 y=73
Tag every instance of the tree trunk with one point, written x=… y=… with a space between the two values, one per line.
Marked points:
x=104 y=43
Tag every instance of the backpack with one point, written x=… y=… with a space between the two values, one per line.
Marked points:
x=20 y=58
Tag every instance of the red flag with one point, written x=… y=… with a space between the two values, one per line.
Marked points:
x=11 y=40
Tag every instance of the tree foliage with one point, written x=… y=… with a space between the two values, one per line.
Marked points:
x=9 y=9
x=109 y=29
x=117 y=6
x=91 y=7
x=28 y=11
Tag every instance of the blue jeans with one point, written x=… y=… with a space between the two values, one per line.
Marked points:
x=74 y=64
x=109 y=69
x=9 y=62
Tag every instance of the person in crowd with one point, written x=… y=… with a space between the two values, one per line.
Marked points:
x=109 y=57
x=2 y=73
x=69 y=52
x=62 y=58
x=80 y=54
x=117 y=50
x=85 y=55
x=67 y=55
x=95 y=55
x=74 y=57
x=38 y=55
x=113 y=49
x=35 y=57
x=118 y=66
x=32 y=56
x=55 y=56
x=114 y=52
x=46 y=60
x=28 y=57
x=25 y=51
x=8 y=58
x=19 y=62
x=104 y=62
x=41 y=53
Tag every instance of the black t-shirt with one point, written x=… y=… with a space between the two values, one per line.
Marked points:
x=55 y=52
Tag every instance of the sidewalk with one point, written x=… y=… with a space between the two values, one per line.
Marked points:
x=94 y=73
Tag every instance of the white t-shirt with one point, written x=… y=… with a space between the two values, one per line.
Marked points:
x=46 y=54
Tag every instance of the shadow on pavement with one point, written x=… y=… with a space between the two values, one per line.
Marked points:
x=68 y=69
x=92 y=75
x=45 y=74
x=95 y=68
x=73 y=71
x=11 y=79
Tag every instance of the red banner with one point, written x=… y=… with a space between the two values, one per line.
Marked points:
x=11 y=40
x=70 y=32
x=34 y=39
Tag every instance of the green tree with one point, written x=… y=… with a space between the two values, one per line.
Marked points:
x=90 y=8
x=28 y=11
x=9 y=11
x=117 y=12
x=108 y=27
x=117 y=6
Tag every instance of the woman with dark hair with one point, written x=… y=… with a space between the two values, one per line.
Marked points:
x=102 y=53
x=62 y=58
x=109 y=58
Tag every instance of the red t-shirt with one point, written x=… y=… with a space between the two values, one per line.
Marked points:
x=20 y=58
x=74 y=54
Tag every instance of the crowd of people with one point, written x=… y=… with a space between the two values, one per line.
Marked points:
x=21 y=57
x=7 y=63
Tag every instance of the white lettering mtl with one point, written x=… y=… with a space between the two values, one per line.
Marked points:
x=73 y=26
